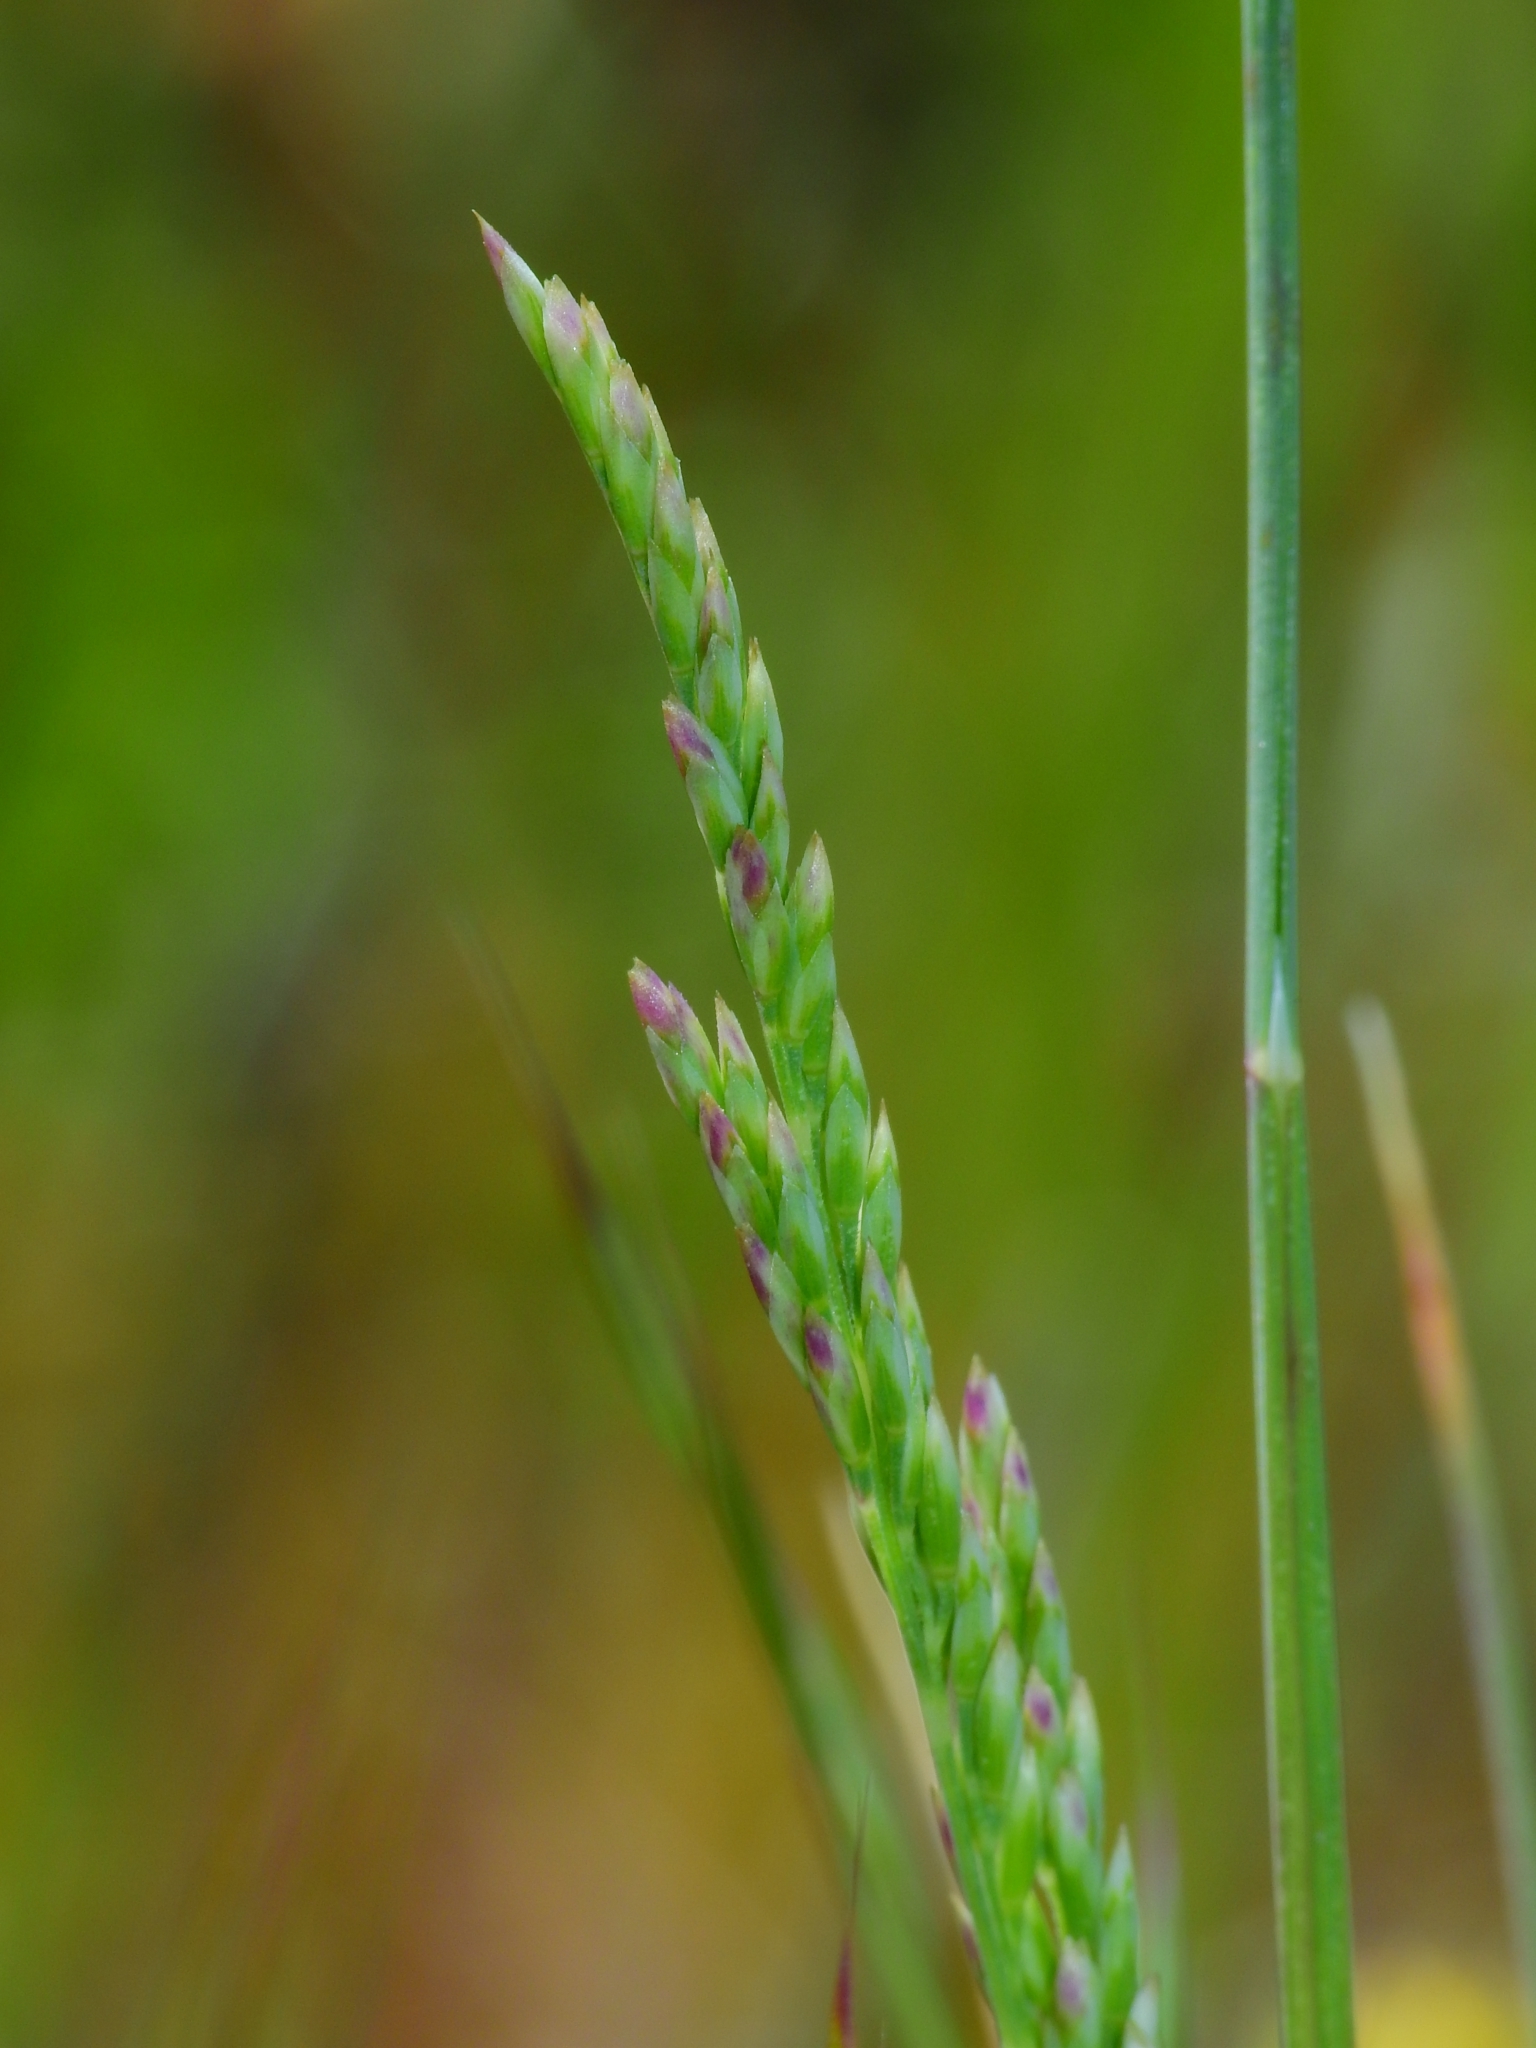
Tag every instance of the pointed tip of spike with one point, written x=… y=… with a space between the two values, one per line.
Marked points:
x=685 y=736
x=882 y=1146
x=504 y=258
x=522 y=291
x=496 y=246
x=731 y=1038
x=982 y=1407
x=717 y=1133
x=512 y=273
x=655 y=1000
x=1074 y=1983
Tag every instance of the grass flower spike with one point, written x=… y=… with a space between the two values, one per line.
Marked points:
x=809 y=1174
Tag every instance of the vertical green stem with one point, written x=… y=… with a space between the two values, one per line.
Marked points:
x=1489 y=1605
x=1311 y=1875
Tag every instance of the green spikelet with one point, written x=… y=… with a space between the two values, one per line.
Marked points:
x=811 y=1182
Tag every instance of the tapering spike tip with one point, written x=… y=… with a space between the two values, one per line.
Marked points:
x=522 y=291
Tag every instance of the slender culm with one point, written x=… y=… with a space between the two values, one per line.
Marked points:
x=1310 y=1862
x=807 y=1168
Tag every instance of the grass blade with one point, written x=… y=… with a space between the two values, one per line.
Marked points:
x=841 y=2029
x=844 y=1753
x=1489 y=1607
x=1310 y=1859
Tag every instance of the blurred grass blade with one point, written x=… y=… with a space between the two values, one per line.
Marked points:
x=1310 y=1856
x=1489 y=1607
x=1164 y=1913
x=1159 y=1855
x=841 y=2030
x=840 y=1744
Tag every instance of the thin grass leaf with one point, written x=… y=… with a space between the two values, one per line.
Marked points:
x=1159 y=1859
x=845 y=1755
x=1490 y=1609
x=1310 y=1858
x=808 y=1172
x=841 y=2030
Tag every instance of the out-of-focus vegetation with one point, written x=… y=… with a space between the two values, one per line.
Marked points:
x=364 y=1674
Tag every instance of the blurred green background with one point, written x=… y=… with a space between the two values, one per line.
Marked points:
x=365 y=1675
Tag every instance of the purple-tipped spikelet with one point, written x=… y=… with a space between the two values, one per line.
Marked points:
x=841 y=1398
x=775 y=1288
x=1042 y=1714
x=656 y=1001
x=1018 y=1513
x=758 y=919
x=810 y=1178
x=689 y=741
x=734 y=1174
x=1077 y=1996
x=683 y=1055
x=713 y=785
x=983 y=1438
x=715 y=611
x=759 y=1264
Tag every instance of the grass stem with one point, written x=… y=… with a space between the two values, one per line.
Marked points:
x=1489 y=1607
x=1310 y=1859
